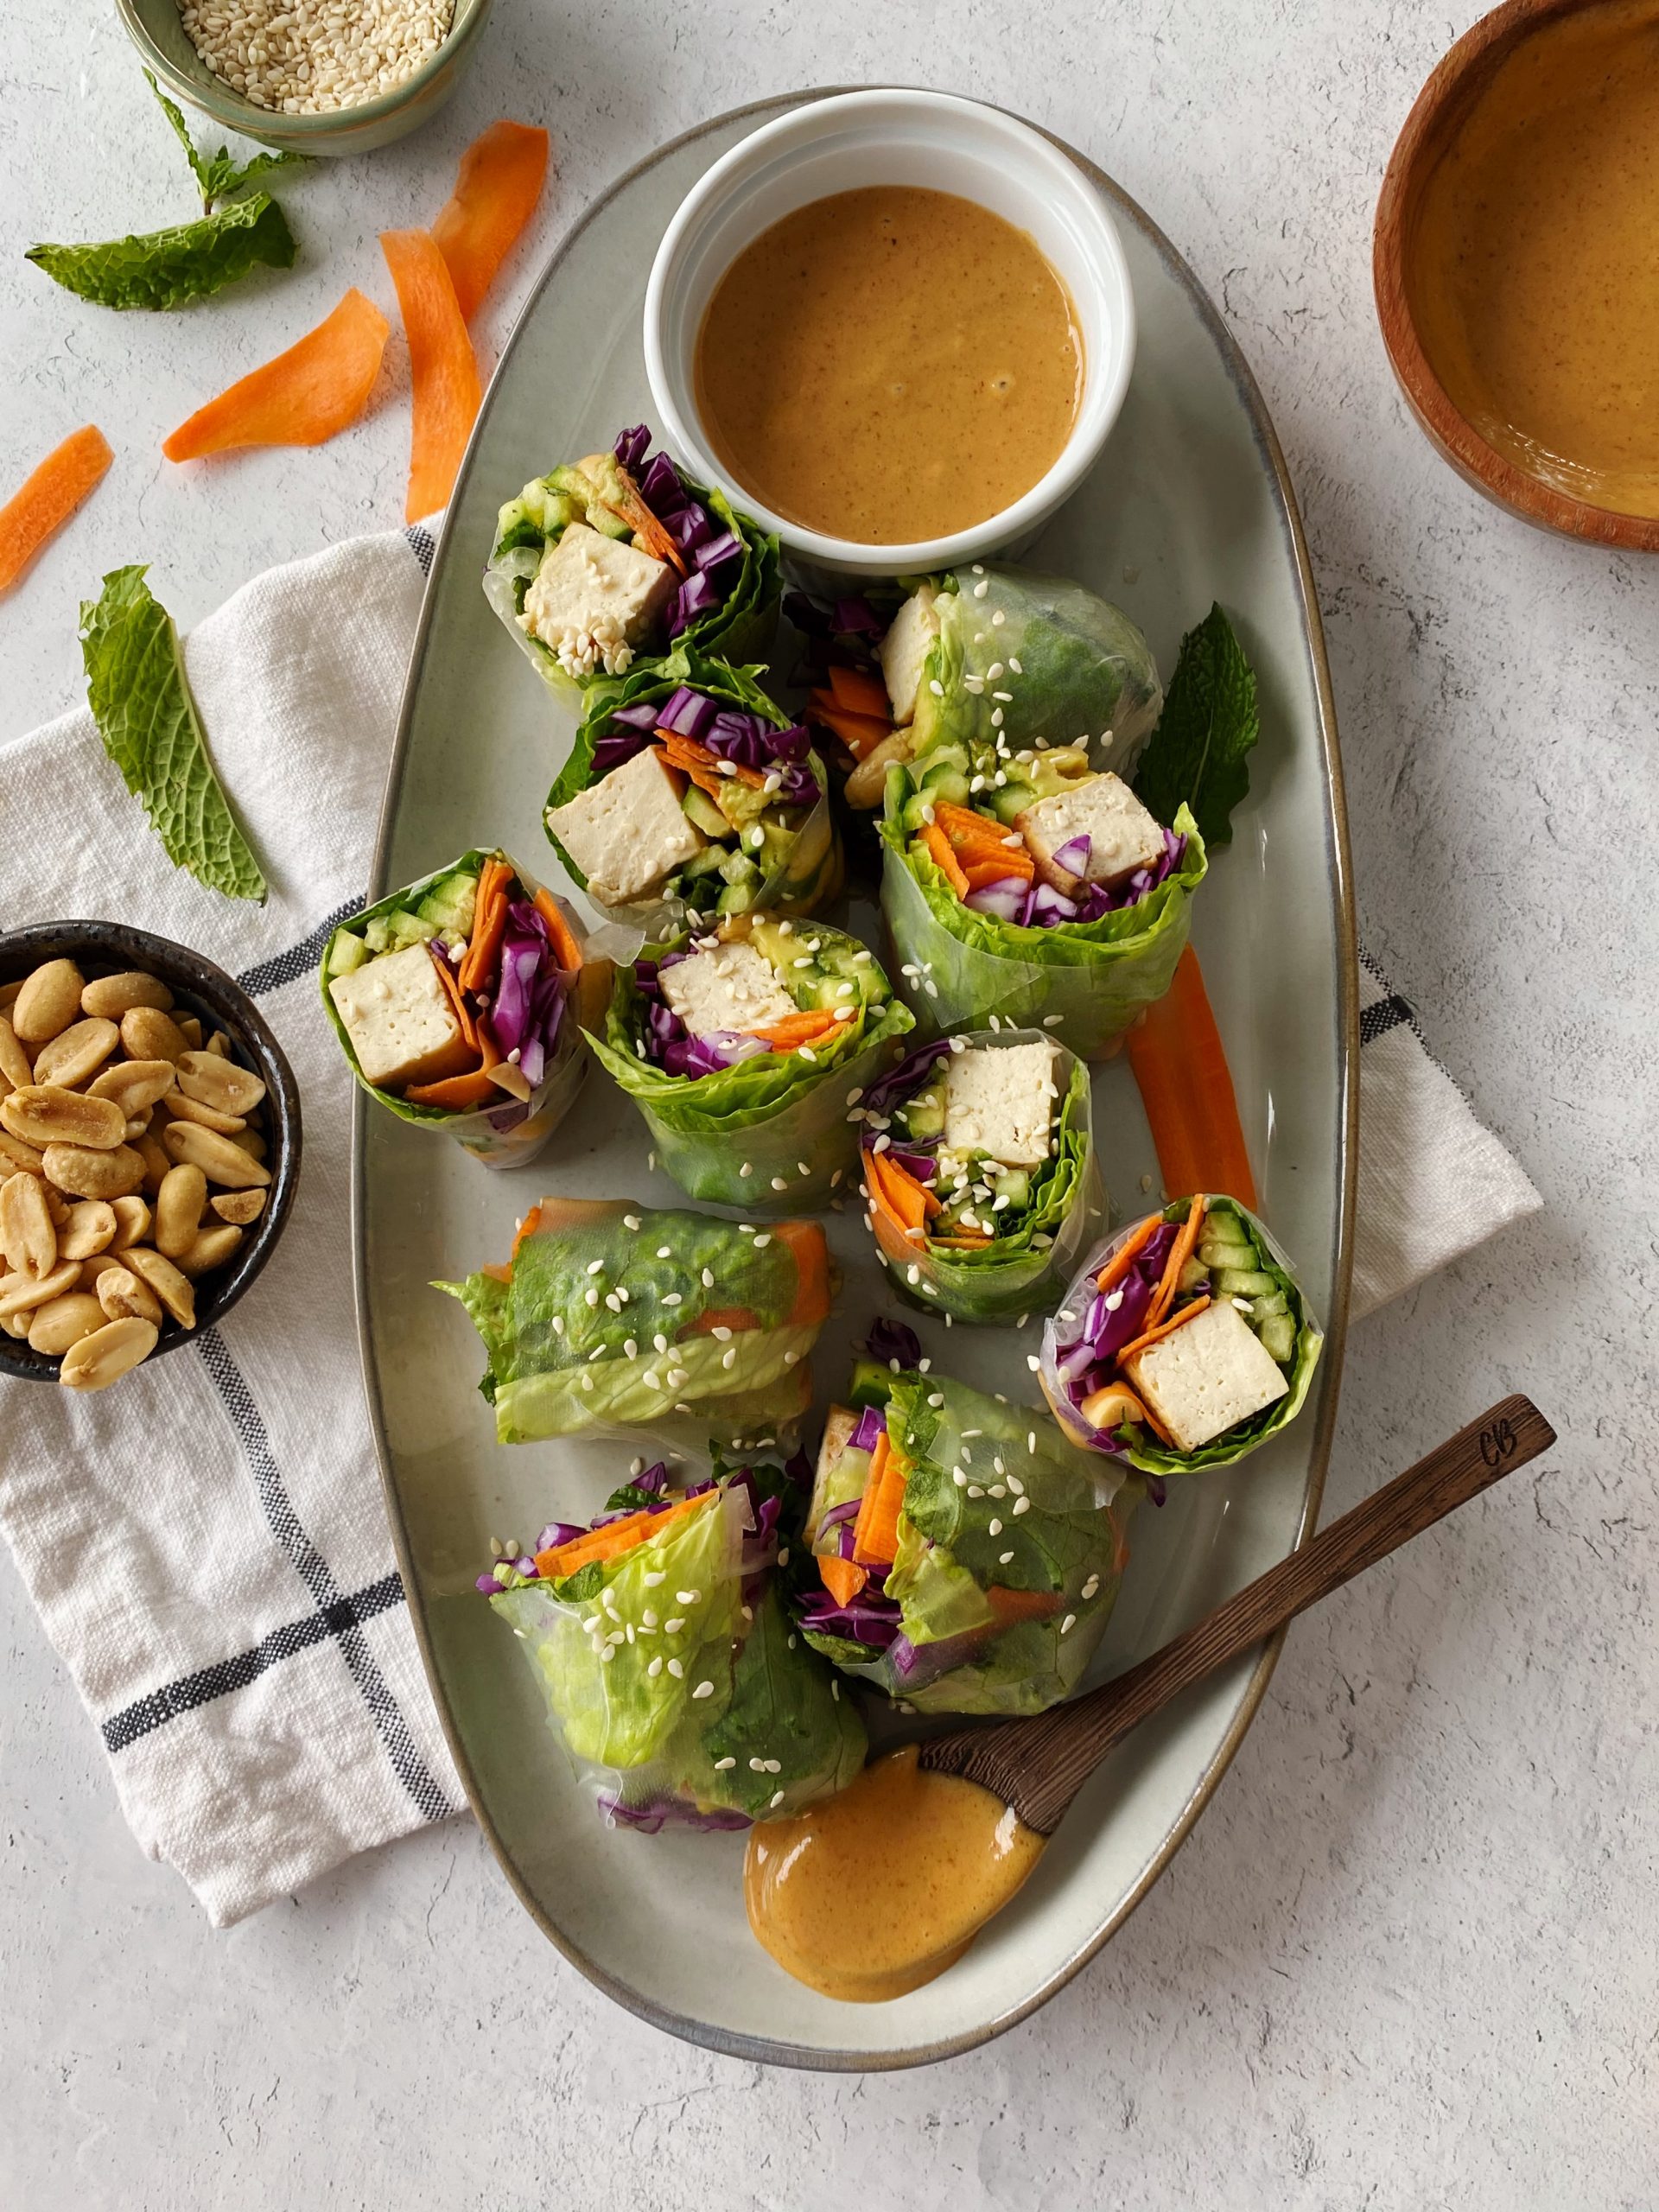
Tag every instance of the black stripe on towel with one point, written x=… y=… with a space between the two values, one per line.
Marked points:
x=314 y=1571
x=288 y=966
x=422 y=545
x=1378 y=1020
x=219 y=1681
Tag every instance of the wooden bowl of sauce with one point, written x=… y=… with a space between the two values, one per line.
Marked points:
x=896 y=326
x=1516 y=270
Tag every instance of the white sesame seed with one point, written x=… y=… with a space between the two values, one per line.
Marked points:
x=996 y=1528
x=1005 y=1559
x=631 y=1221
x=704 y=1690
x=1022 y=1505
x=677 y=1667
x=1068 y=1623
x=725 y=1765
x=775 y=1799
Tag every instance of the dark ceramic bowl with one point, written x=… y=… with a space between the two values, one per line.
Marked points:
x=199 y=988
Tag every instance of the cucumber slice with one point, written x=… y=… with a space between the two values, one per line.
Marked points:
x=700 y=811
x=1243 y=1282
x=348 y=953
x=1194 y=1275
x=409 y=929
x=1263 y=1309
x=451 y=905
x=1218 y=1252
x=1279 y=1338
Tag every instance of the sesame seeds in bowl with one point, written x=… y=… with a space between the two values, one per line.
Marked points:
x=309 y=76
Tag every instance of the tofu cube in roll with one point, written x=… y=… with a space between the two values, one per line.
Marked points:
x=627 y=831
x=1122 y=835
x=399 y=1018
x=594 y=599
x=1000 y=1100
x=728 y=987
x=1206 y=1376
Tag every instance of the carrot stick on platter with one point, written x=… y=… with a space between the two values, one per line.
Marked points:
x=1188 y=1090
x=304 y=397
x=443 y=370
x=860 y=693
x=502 y=175
x=44 y=502
x=841 y=1579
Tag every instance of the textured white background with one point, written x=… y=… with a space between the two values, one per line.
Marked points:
x=1408 y=1960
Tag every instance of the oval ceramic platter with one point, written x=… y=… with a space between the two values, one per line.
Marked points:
x=1190 y=504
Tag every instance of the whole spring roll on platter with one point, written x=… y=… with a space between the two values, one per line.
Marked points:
x=980 y=1173
x=969 y=1553
x=743 y=1050
x=615 y=559
x=689 y=795
x=459 y=1002
x=1185 y=1342
x=611 y=1318
x=660 y=1636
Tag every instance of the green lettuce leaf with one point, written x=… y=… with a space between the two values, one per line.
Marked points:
x=220 y=175
x=785 y=1708
x=169 y=269
x=1198 y=755
x=142 y=704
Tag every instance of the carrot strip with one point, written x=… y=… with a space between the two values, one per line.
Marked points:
x=900 y=1195
x=1124 y=1258
x=1186 y=1243
x=304 y=397
x=875 y=1532
x=860 y=733
x=497 y=1272
x=805 y=1239
x=44 y=502
x=939 y=846
x=442 y=369
x=841 y=1579
x=566 y=949
x=737 y=1318
x=527 y=1227
x=686 y=752
x=966 y=829
x=1152 y=1336
x=1018 y=864
x=477 y=1089
x=458 y=1005
x=571 y=1215
x=859 y=692
x=965 y=1240
x=1013 y=1605
x=614 y=1538
x=1187 y=1090
x=489 y=926
x=501 y=177
x=804 y=1028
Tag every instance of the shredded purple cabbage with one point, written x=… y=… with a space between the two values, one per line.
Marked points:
x=889 y=1340
x=871 y=1617
x=901 y=1082
x=711 y=547
x=872 y=1425
x=1039 y=906
x=668 y=1812
x=732 y=734
x=1086 y=1362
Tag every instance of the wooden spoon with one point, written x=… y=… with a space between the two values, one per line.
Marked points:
x=1038 y=1766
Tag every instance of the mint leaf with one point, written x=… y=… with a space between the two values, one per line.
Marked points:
x=219 y=176
x=168 y=269
x=1209 y=722
x=139 y=699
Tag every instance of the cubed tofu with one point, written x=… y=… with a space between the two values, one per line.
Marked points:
x=729 y=987
x=905 y=649
x=1210 y=1375
x=1000 y=1100
x=627 y=831
x=398 y=1017
x=594 y=600
x=1123 y=837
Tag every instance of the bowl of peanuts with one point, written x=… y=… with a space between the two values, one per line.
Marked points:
x=149 y=1145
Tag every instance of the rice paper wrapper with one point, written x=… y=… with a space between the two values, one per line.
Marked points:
x=1004 y=1622
x=770 y=1134
x=752 y=1726
x=562 y=1364
x=513 y=1133
x=1076 y=668
x=1007 y=1281
x=1084 y=982
x=805 y=876
x=1136 y=1447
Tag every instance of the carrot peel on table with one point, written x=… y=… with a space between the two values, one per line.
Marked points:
x=304 y=397
x=36 y=511
x=1188 y=1090
x=443 y=370
x=502 y=174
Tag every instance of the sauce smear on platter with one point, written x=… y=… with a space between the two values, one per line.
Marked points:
x=889 y=364
x=874 y=1891
x=1535 y=260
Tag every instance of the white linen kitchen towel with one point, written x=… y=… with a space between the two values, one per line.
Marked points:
x=206 y=1543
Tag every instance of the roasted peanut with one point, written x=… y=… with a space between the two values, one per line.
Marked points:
x=135 y=1086
x=132 y=1222
x=91 y=1227
x=110 y=996
x=15 y=1069
x=219 y=1043
x=99 y=1265
x=8 y=993
x=21 y=1294
x=44 y=1114
x=149 y=1034
x=64 y=1321
x=28 y=1238
x=137 y=1127
x=123 y=1297
x=219 y=1083
x=178 y=1107
x=56 y=1204
x=171 y=1286
x=14 y=1324
x=179 y=1205
x=251 y=1141
x=218 y=1158
x=212 y=1249
x=106 y=1354
x=156 y=1161
x=239 y=1206
x=85 y=1173
x=76 y=1053
x=15 y=1154
x=190 y=1030
x=49 y=1002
